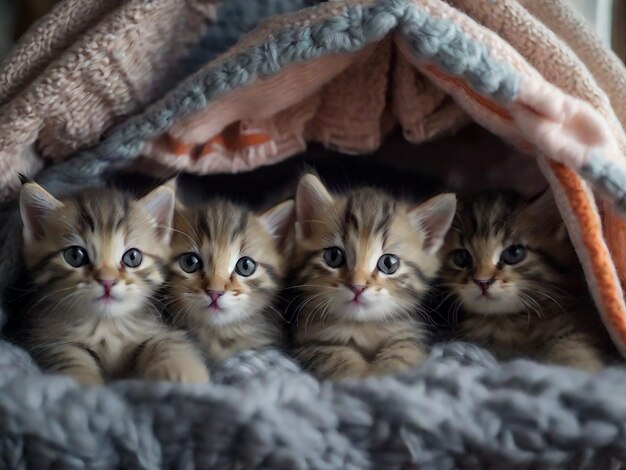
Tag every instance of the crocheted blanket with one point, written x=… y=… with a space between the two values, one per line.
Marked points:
x=343 y=73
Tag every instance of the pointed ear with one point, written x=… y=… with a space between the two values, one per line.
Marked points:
x=159 y=204
x=543 y=207
x=434 y=217
x=172 y=183
x=279 y=221
x=312 y=200
x=35 y=205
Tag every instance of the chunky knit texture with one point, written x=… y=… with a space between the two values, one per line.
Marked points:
x=343 y=73
x=461 y=409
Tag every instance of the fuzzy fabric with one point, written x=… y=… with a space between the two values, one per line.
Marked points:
x=462 y=408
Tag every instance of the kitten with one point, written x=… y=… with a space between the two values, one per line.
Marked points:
x=362 y=265
x=225 y=272
x=95 y=260
x=515 y=275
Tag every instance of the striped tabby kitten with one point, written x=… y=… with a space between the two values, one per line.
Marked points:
x=95 y=260
x=515 y=275
x=225 y=273
x=362 y=264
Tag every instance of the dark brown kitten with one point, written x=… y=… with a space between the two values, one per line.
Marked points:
x=513 y=272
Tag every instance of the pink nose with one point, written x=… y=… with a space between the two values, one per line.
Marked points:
x=214 y=295
x=484 y=284
x=107 y=285
x=356 y=290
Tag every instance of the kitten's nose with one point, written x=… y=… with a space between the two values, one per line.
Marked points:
x=214 y=295
x=356 y=290
x=107 y=285
x=484 y=284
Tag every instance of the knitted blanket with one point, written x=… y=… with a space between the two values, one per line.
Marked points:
x=98 y=94
x=460 y=410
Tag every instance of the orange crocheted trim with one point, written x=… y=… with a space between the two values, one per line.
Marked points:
x=600 y=258
x=615 y=229
x=233 y=138
x=175 y=146
x=480 y=99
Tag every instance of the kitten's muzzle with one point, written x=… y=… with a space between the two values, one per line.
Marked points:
x=107 y=286
x=357 y=290
x=484 y=284
x=215 y=296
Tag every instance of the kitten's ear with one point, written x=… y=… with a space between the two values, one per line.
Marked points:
x=434 y=217
x=172 y=183
x=312 y=200
x=35 y=205
x=159 y=204
x=279 y=220
x=544 y=208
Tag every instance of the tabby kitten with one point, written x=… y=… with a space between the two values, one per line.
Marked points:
x=95 y=260
x=515 y=275
x=225 y=272
x=362 y=264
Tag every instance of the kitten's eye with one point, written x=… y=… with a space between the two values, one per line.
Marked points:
x=76 y=256
x=334 y=257
x=388 y=264
x=132 y=258
x=245 y=266
x=513 y=254
x=190 y=262
x=462 y=258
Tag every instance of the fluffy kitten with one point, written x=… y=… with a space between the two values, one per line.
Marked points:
x=225 y=271
x=362 y=264
x=515 y=275
x=95 y=260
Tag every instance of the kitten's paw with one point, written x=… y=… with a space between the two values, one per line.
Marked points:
x=590 y=364
x=394 y=365
x=86 y=377
x=576 y=354
x=346 y=370
x=349 y=373
x=392 y=361
x=187 y=371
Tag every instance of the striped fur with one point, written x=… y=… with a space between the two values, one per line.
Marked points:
x=221 y=233
x=538 y=307
x=74 y=327
x=339 y=333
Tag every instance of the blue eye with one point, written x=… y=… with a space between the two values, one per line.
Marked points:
x=76 y=256
x=334 y=257
x=388 y=264
x=190 y=262
x=132 y=258
x=245 y=267
x=513 y=254
x=462 y=258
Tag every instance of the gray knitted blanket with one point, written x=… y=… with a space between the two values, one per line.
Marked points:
x=460 y=409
